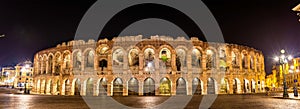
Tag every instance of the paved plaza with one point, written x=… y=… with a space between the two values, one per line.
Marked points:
x=11 y=99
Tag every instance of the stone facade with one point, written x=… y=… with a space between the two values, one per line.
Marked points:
x=159 y=65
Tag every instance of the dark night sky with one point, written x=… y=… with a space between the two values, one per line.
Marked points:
x=33 y=25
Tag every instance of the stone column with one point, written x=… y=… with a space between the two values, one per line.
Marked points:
x=125 y=91
x=109 y=90
x=230 y=81
x=173 y=87
x=189 y=85
x=141 y=86
x=109 y=64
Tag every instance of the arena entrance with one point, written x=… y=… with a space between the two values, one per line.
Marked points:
x=211 y=86
x=118 y=87
x=197 y=88
x=102 y=87
x=181 y=86
x=149 y=87
x=133 y=87
x=165 y=86
x=89 y=87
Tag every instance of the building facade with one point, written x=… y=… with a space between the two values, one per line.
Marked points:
x=275 y=80
x=18 y=75
x=158 y=65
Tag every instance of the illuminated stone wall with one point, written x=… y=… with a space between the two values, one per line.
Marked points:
x=159 y=65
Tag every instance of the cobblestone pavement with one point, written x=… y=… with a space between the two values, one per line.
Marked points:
x=9 y=100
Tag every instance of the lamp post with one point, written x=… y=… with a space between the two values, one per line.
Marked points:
x=283 y=60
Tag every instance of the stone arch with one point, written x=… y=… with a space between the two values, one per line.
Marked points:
x=43 y=86
x=222 y=57
x=181 y=58
x=57 y=87
x=89 y=86
x=235 y=54
x=102 y=87
x=211 y=86
x=246 y=86
x=77 y=59
x=165 y=57
x=197 y=86
x=244 y=59
x=149 y=60
x=50 y=63
x=149 y=87
x=251 y=60
x=57 y=63
x=66 y=87
x=224 y=86
x=89 y=55
x=181 y=86
x=236 y=86
x=118 y=87
x=44 y=64
x=76 y=87
x=118 y=57
x=66 y=60
x=253 y=86
x=133 y=57
x=197 y=57
x=165 y=86
x=133 y=86
x=211 y=58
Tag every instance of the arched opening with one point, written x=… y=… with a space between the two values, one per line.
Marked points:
x=181 y=87
x=57 y=66
x=57 y=87
x=244 y=60
x=102 y=87
x=246 y=86
x=44 y=64
x=118 y=87
x=118 y=58
x=133 y=87
x=66 y=61
x=236 y=86
x=253 y=86
x=67 y=87
x=234 y=58
x=251 y=63
x=165 y=57
x=89 y=59
x=50 y=64
x=222 y=61
x=149 y=66
x=149 y=87
x=77 y=87
x=77 y=59
x=89 y=87
x=181 y=58
x=210 y=59
x=224 y=86
x=211 y=86
x=165 y=86
x=133 y=58
x=196 y=58
x=43 y=87
x=103 y=64
x=197 y=88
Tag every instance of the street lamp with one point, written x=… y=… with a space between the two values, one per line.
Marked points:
x=283 y=60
